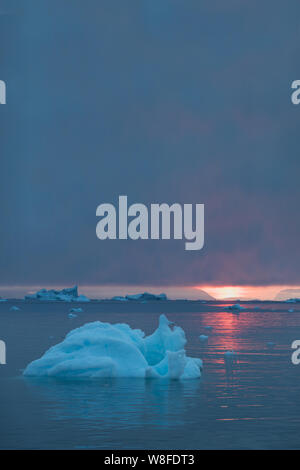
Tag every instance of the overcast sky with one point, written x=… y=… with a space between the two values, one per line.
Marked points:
x=161 y=100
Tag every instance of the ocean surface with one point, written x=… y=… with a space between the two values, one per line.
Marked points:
x=253 y=405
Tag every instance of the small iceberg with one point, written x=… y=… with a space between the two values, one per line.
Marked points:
x=69 y=294
x=81 y=298
x=14 y=308
x=3 y=300
x=203 y=338
x=72 y=315
x=236 y=308
x=291 y=310
x=208 y=327
x=230 y=358
x=104 y=350
x=230 y=354
x=76 y=310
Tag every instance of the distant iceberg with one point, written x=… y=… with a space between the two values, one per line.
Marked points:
x=119 y=298
x=104 y=350
x=236 y=308
x=287 y=295
x=142 y=297
x=66 y=295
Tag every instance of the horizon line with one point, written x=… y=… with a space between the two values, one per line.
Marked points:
x=193 y=292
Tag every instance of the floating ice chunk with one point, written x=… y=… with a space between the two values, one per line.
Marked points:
x=236 y=308
x=82 y=298
x=208 y=327
x=14 y=308
x=230 y=354
x=203 y=338
x=76 y=310
x=270 y=345
x=3 y=300
x=230 y=358
x=120 y=298
x=72 y=315
x=291 y=310
x=104 y=350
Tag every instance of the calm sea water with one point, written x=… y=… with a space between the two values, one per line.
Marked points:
x=256 y=405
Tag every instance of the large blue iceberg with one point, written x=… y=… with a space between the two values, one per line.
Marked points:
x=69 y=294
x=104 y=350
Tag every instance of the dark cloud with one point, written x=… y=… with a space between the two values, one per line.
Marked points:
x=165 y=101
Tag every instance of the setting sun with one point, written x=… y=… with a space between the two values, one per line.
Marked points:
x=225 y=292
x=243 y=292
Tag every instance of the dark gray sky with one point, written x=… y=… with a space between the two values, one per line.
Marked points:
x=162 y=100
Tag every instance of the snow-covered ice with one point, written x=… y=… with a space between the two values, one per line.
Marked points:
x=116 y=350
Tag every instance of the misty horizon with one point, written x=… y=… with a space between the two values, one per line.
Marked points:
x=219 y=293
